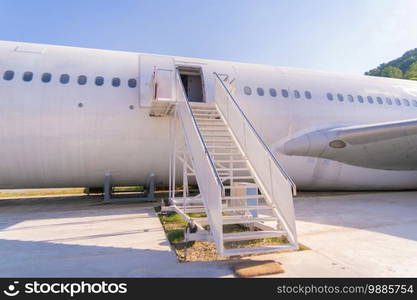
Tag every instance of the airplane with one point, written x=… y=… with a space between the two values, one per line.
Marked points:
x=72 y=116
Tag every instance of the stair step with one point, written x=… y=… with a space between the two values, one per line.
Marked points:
x=241 y=186
x=233 y=169
x=221 y=147
x=246 y=220
x=209 y=114
x=228 y=220
x=247 y=208
x=208 y=117
x=236 y=177
x=257 y=250
x=213 y=109
x=216 y=135
x=243 y=197
x=180 y=200
x=212 y=124
x=220 y=141
x=226 y=153
x=230 y=161
x=213 y=130
x=192 y=209
x=201 y=105
x=252 y=235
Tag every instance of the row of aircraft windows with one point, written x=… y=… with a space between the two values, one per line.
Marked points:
x=273 y=92
x=340 y=97
x=371 y=100
x=65 y=79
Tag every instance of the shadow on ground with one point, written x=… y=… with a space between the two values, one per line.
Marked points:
x=391 y=213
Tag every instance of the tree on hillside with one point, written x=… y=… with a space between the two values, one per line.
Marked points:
x=402 y=67
x=392 y=72
x=412 y=72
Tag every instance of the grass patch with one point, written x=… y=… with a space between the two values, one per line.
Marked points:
x=175 y=227
x=172 y=218
x=175 y=236
x=46 y=192
x=137 y=188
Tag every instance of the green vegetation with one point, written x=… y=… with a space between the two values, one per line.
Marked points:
x=173 y=218
x=404 y=67
x=42 y=192
x=128 y=189
x=175 y=227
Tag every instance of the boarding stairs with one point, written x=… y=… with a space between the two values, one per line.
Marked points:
x=245 y=195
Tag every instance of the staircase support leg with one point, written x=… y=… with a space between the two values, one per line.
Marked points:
x=150 y=191
x=107 y=187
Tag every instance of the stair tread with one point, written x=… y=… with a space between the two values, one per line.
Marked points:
x=215 y=135
x=238 y=177
x=243 y=197
x=212 y=124
x=221 y=147
x=226 y=153
x=241 y=186
x=230 y=161
x=233 y=169
x=254 y=250
x=249 y=235
x=205 y=109
x=254 y=207
x=246 y=220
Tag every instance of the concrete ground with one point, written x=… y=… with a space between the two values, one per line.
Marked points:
x=350 y=234
x=354 y=235
x=79 y=236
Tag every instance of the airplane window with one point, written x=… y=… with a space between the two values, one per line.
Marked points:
x=350 y=98
x=99 y=81
x=307 y=94
x=330 y=96
x=46 y=77
x=285 y=93
x=414 y=102
x=406 y=102
x=131 y=83
x=397 y=101
x=379 y=100
x=360 y=99
x=64 y=79
x=115 y=82
x=340 y=97
x=247 y=90
x=82 y=80
x=273 y=92
x=260 y=91
x=370 y=99
x=8 y=75
x=297 y=94
x=389 y=101
x=27 y=76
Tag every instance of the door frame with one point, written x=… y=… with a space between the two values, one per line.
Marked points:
x=199 y=70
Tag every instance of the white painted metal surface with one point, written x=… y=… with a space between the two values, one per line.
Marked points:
x=48 y=140
x=275 y=184
x=209 y=183
x=233 y=203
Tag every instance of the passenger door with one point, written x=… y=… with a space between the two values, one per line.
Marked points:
x=157 y=79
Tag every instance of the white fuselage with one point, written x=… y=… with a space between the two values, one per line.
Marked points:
x=70 y=135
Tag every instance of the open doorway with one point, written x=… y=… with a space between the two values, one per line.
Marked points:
x=192 y=80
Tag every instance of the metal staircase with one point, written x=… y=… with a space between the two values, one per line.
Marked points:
x=245 y=195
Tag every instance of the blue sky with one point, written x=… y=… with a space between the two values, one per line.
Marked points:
x=344 y=36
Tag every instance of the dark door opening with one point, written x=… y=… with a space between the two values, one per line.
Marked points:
x=192 y=80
